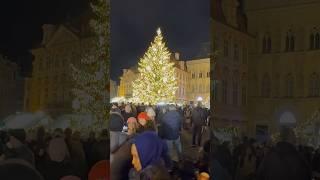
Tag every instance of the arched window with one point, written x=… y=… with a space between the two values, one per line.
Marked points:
x=265 y=88
x=314 y=85
x=292 y=43
x=224 y=91
x=235 y=88
x=269 y=45
x=289 y=85
x=312 y=41
x=287 y=42
x=264 y=44
x=317 y=41
x=244 y=89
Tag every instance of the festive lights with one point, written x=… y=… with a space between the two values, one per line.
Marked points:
x=156 y=82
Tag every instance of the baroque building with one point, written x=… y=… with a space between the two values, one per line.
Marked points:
x=49 y=88
x=273 y=54
x=229 y=82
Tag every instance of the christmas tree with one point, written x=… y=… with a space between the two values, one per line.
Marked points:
x=156 y=81
x=91 y=77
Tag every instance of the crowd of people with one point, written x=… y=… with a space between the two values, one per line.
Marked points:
x=58 y=155
x=253 y=160
x=146 y=142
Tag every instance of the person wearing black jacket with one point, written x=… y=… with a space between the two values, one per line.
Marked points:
x=198 y=120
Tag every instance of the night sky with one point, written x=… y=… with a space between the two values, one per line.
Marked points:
x=184 y=24
x=21 y=23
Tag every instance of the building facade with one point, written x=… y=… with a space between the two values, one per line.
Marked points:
x=284 y=63
x=199 y=80
x=125 y=86
x=113 y=89
x=229 y=82
x=49 y=88
x=11 y=88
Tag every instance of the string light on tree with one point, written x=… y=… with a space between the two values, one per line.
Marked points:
x=156 y=82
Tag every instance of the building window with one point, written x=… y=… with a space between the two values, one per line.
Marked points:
x=265 y=88
x=208 y=74
x=290 y=41
x=226 y=48
x=277 y=85
x=236 y=52
x=193 y=75
x=314 y=86
x=244 y=55
x=235 y=91
x=225 y=91
x=244 y=95
x=289 y=85
x=317 y=41
x=312 y=41
x=200 y=75
x=266 y=44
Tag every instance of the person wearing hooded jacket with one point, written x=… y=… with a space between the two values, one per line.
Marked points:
x=148 y=157
x=116 y=125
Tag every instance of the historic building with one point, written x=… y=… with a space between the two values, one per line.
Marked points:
x=200 y=68
x=199 y=80
x=125 y=86
x=11 y=88
x=49 y=88
x=229 y=82
x=284 y=63
x=265 y=60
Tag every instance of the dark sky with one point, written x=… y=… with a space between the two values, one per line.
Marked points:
x=21 y=23
x=184 y=24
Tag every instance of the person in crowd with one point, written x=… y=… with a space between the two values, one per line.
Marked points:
x=101 y=149
x=284 y=162
x=187 y=115
x=58 y=164
x=198 y=121
x=172 y=123
x=39 y=148
x=127 y=112
x=247 y=164
x=116 y=126
x=88 y=144
x=77 y=154
x=16 y=147
x=18 y=169
x=148 y=152
x=121 y=157
x=145 y=123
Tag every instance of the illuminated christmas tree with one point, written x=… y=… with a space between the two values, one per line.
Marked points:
x=91 y=77
x=156 y=81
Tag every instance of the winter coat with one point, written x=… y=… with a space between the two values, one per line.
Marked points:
x=171 y=125
x=116 y=121
x=121 y=164
x=56 y=170
x=284 y=163
x=151 y=172
x=198 y=116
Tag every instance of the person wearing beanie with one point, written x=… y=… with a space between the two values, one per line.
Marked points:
x=145 y=122
x=132 y=125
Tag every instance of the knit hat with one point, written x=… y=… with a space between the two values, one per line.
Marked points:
x=143 y=115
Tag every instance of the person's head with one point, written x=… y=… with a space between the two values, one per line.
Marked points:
x=203 y=176
x=17 y=169
x=150 y=112
x=143 y=118
x=172 y=107
x=128 y=108
x=147 y=149
x=68 y=132
x=288 y=135
x=58 y=132
x=57 y=150
x=16 y=138
x=132 y=125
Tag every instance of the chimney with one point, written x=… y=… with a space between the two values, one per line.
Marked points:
x=48 y=30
